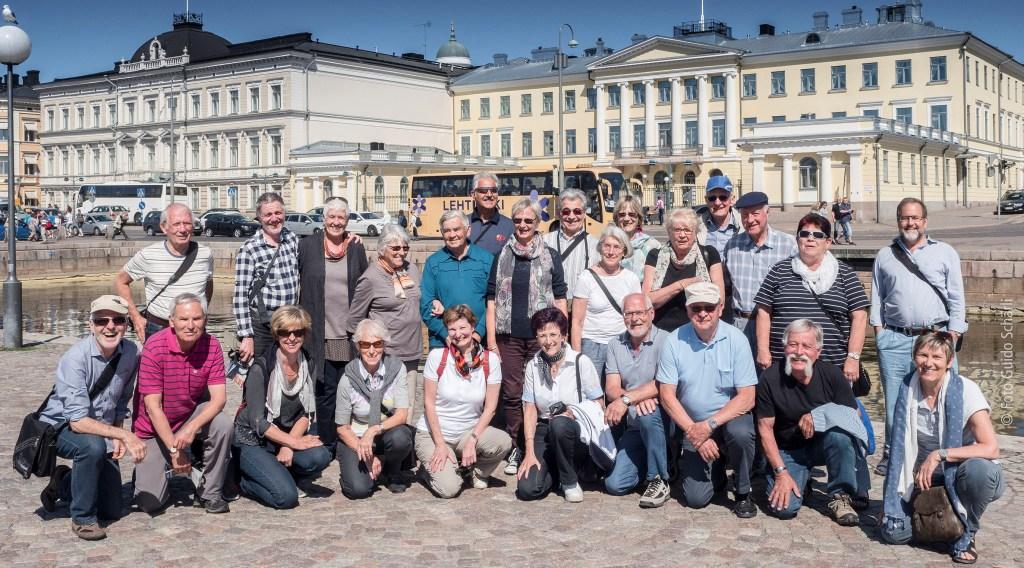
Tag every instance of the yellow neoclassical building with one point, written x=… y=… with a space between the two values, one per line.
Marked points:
x=875 y=111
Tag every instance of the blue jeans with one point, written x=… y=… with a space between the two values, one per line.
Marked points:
x=94 y=486
x=642 y=445
x=847 y=230
x=834 y=449
x=269 y=481
x=597 y=353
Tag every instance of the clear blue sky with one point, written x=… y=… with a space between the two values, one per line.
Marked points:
x=74 y=37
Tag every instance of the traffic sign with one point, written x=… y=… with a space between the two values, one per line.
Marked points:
x=232 y=191
x=142 y=205
x=140 y=193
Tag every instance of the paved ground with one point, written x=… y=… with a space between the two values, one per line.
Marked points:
x=488 y=528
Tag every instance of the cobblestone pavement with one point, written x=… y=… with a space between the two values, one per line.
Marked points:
x=481 y=528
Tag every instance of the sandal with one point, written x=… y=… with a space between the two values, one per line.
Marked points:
x=969 y=556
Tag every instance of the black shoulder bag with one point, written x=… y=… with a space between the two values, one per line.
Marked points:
x=257 y=307
x=901 y=255
x=861 y=386
x=604 y=289
x=35 y=452
x=190 y=259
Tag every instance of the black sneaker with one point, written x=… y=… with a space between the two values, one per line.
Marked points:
x=744 y=507
x=883 y=466
x=397 y=486
x=216 y=505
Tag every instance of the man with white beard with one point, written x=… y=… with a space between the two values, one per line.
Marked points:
x=916 y=286
x=787 y=393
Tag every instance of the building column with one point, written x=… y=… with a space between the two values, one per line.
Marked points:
x=787 y=181
x=732 y=113
x=650 y=126
x=308 y=192
x=600 y=130
x=825 y=189
x=625 y=128
x=703 y=122
x=856 y=183
x=757 y=161
x=677 y=116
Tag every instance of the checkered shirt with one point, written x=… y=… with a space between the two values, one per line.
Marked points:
x=282 y=287
x=748 y=263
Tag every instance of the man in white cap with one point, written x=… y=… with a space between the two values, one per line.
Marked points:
x=707 y=385
x=88 y=405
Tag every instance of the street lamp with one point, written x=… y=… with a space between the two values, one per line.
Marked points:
x=172 y=105
x=561 y=101
x=15 y=47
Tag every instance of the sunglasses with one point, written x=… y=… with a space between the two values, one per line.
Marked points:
x=816 y=235
x=493 y=190
x=399 y=248
x=699 y=308
x=102 y=322
x=290 y=332
x=722 y=198
x=523 y=221
x=577 y=212
x=364 y=345
x=628 y=214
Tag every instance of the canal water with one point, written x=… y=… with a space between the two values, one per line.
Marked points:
x=992 y=355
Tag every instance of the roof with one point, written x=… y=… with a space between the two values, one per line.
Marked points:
x=841 y=37
x=202 y=45
x=334 y=146
x=521 y=71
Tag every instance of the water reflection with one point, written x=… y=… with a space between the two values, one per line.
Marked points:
x=993 y=352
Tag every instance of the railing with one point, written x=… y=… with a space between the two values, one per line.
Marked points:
x=160 y=63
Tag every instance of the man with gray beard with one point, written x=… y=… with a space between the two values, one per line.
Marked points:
x=792 y=438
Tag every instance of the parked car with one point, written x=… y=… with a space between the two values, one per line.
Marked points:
x=365 y=223
x=304 y=224
x=110 y=210
x=1012 y=201
x=208 y=212
x=151 y=224
x=96 y=224
x=21 y=233
x=228 y=224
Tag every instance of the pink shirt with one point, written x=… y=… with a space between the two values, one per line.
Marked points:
x=182 y=378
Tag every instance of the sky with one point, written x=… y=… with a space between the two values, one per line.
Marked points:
x=75 y=37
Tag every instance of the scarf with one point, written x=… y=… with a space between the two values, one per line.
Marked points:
x=820 y=280
x=544 y=363
x=279 y=387
x=540 y=295
x=374 y=387
x=399 y=277
x=642 y=244
x=899 y=484
x=463 y=366
x=667 y=255
x=344 y=248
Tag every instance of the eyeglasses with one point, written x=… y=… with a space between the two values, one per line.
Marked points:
x=816 y=235
x=399 y=248
x=629 y=215
x=911 y=219
x=102 y=322
x=577 y=212
x=300 y=333
x=523 y=221
x=636 y=314
x=722 y=198
x=682 y=230
x=493 y=190
x=364 y=345
x=612 y=246
x=699 y=308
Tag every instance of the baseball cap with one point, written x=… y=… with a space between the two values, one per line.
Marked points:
x=719 y=182
x=109 y=302
x=702 y=293
x=752 y=199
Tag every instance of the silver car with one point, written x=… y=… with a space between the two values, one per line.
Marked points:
x=365 y=223
x=96 y=225
x=304 y=224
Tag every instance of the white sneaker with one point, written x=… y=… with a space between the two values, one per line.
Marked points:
x=573 y=493
x=514 y=457
x=479 y=483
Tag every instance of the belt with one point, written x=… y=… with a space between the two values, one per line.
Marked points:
x=157 y=321
x=915 y=331
x=744 y=315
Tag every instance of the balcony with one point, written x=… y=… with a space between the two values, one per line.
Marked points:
x=159 y=63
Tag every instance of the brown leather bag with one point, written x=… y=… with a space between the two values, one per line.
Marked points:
x=934 y=519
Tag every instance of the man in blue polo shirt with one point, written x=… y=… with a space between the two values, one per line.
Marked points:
x=456 y=274
x=707 y=385
x=490 y=229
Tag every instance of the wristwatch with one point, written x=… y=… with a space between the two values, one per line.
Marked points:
x=626 y=400
x=779 y=469
x=172 y=450
x=854 y=356
x=943 y=454
x=713 y=424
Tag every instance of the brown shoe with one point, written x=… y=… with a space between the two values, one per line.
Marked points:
x=91 y=531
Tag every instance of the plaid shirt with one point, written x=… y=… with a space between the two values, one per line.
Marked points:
x=282 y=286
x=748 y=263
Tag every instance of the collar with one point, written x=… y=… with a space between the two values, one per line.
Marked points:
x=471 y=252
x=475 y=216
x=364 y=374
x=709 y=221
x=94 y=349
x=562 y=235
x=652 y=335
x=927 y=241
x=689 y=333
x=262 y=240
x=172 y=252
x=770 y=241
x=174 y=347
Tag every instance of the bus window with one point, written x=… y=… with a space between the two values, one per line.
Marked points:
x=572 y=180
x=511 y=184
x=456 y=187
x=425 y=187
x=616 y=180
x=540 y=182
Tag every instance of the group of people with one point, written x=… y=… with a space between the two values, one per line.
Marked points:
x=569 y=357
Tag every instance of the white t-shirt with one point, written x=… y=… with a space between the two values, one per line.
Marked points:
x=928 y=420
x=603 y=322
x=563 y=386
x=459 y=402
x=155 y=265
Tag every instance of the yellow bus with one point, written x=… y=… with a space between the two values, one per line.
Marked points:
x=434 y=193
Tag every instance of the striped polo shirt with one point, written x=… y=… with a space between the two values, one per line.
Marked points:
x=156 y=264
x=181 y=378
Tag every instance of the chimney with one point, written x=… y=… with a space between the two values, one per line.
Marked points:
x=637 y=38
x=600 y=46
x=31 y=77
x=820 y=21
x=766 y=30
x=500 y=59
x=853 y=16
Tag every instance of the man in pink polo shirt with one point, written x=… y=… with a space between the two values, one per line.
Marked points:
x=181 y=393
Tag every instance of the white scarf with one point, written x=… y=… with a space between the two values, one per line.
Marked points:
x=906 y=474
x=820 y=280
x=279 y=387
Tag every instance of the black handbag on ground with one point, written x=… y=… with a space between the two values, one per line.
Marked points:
x=861 y=386
x=933 y=519
x=35 y=452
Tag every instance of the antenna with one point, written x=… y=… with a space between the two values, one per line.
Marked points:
x=424 y=25
x=701 y=15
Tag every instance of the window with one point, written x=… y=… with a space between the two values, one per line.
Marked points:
x=869 y=75
x=638 y=94
x=96 y=160
x=194 y=147
x=527 y=144
x=690 y=134
x=749 y=120
x=690 y=89
x=378 y=191
x=485 y=144
x=903 y=72
x=172 y=107
x=506 y=144
x=808 y=174
x=465 y=144
x=233 y=197
x=614 y=138
x=718 y=132
x=750 y=85
x=807 y=80
x=924 y=170
x=233 y=152
x=526 y=104
x=807 y=116
x=95 y=116
x=151 y=110
x=111 y=114
x=254 y=150
x=464 y=109
x=65 y=121
x=549 y=142
x=111 y=160
x=614 y=96
x=639 y=135
x=80 y=117
x=130 y=111
x=778 y=118
x=905 y=115
x=403 y=190
x=275 y=150
x=940 y=117
x=505 y=106
x=718 y=87
x=839 y=114
x=778 y=83
x=214 y=104
x=195 y=106
x=49 y=120
x=254 y=98
x=547 y=103
x=151 y=157
x=233 y=101
x=129 y=156
x=665 y=135
x=214 y=197
x=275 y=97
x=872 y=112
x=570 y=101
x=81 y=162
x=899 y=167
x=485 y=107
x=570 y=141
x=214 y=154
x=986 y=77
x=592 y=140
x=591 y=98
x=913 y=169
x=938 y=68
x=664 y=92
x=839 y=77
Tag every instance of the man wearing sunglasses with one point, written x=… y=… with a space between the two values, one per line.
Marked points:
x=490 y=229
x=719 y=221
x=577 y=248
x=90 y=432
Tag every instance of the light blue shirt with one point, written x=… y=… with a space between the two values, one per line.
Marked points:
x=898 y=298
x=706 y=375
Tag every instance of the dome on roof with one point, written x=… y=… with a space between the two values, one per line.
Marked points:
x=453 y=52
x=188 y=32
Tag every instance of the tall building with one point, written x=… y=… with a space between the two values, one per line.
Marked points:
x=26 y=140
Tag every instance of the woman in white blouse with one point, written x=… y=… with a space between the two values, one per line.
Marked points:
x=461 y=385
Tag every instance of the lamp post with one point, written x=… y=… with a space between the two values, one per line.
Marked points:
x=15 y=47
x=172 y=105
x=559 y=60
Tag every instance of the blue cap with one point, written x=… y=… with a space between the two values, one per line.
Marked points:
x=752 y=199
x=719 y=182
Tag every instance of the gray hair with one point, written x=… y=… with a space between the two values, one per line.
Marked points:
x=613 y=232
x=647 y=300
x=187 y=298
x=389 y=234
x=371 y=328
x=573 y=195
x=336 y=203
x=525 y=203
x=683 y=215
x=166 y=212
x=800 y=326
x=268 y=197
x=453 y=214
x=482 y=176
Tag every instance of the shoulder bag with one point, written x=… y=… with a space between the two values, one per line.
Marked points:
x=257 y=307
x=604 y=289
x=901 y=255
x=861 y=386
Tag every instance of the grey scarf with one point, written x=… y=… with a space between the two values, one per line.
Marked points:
x=391 y=367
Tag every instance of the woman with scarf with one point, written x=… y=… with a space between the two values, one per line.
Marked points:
x=671 y=268
x=330 y=264
x=526 y=277
x=556 y=378
x=942 y=437
x=629 y=217
x=372 y=409
x=460 y=394
x=278 y=459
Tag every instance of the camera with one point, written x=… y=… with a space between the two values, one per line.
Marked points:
x=557 y=408
x=236 y=366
